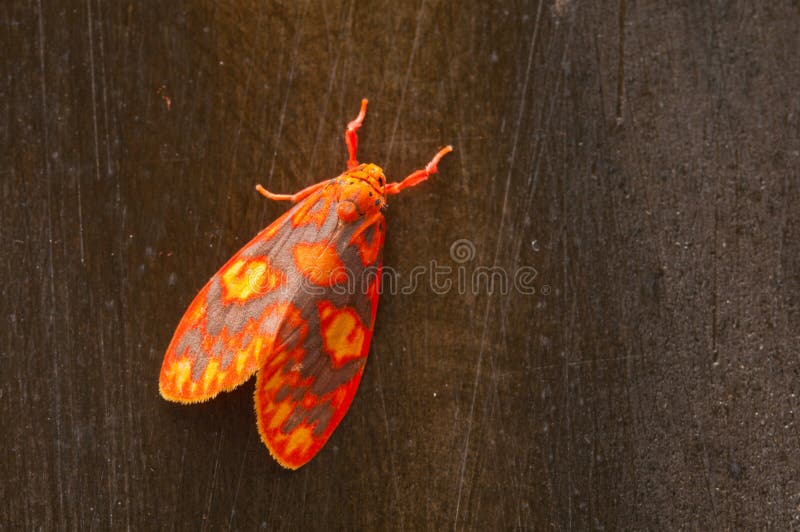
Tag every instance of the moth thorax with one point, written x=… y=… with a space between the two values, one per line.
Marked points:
x=347 y=211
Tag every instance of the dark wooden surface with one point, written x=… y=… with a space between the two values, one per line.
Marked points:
x=642 y=157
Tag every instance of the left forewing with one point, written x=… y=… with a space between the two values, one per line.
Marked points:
x=230 y=328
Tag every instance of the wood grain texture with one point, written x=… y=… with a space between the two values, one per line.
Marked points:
x=641 y=157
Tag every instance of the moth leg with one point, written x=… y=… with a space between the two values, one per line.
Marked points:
x=294 y=198
x=351 y=137
x=420 y=175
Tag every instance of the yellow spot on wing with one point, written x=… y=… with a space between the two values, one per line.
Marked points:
x=300 y=439
x=241 y=359
x=274 y=383
x=212 y=369
x=280 y=414
x=246 y=278
x=197 y=313
x=179 y=372
x=343 y=334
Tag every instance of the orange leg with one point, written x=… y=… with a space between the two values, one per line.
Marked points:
x=420 y=175
x=294 y=198
x=351 y=137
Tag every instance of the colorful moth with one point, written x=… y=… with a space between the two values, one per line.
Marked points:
x=297 y=305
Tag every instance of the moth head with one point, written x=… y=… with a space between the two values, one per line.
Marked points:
x=373 y=174
x=360 y=190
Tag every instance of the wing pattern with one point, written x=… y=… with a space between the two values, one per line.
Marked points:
x=298 y=303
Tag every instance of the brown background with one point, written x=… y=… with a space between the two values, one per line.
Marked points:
x=642 y=157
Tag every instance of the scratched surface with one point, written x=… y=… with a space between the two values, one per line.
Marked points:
x=637 y=163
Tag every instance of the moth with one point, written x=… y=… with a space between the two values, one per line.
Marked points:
x=296 y=305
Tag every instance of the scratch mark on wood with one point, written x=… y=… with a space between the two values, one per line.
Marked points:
x=212 y=485
x=293 y=65
x=104 y=87
x=621 y=63
x=599 y=61
x=568 y=341
x=94 y=119
x=414 y=47
x=479 y=362
x=51 y=272
x=179 y=484
x=715 y=288
x=538 y=153
x=347 y=30
x=240 y=476
x=389 y=440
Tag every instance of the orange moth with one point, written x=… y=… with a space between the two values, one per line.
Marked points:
x=295 y=305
